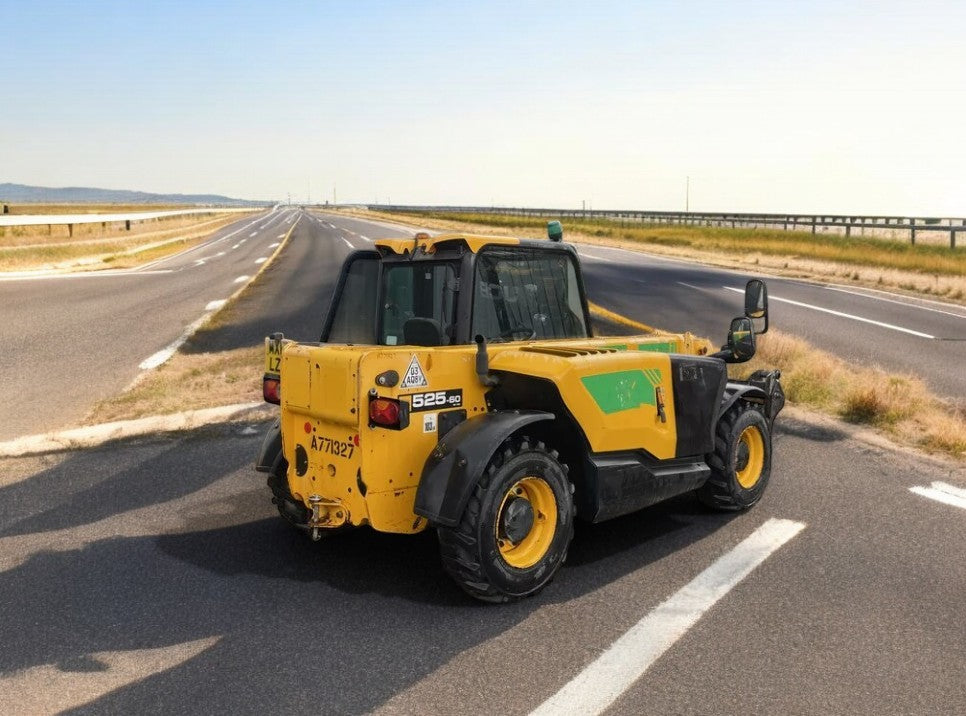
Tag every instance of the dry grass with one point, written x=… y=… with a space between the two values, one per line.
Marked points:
x=876 y=263
x=22 y=209
x=110 y=251
x=188 y=382
x=901 y=406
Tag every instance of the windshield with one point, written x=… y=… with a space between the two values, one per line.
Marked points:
x=527 y=294
x=419 y=306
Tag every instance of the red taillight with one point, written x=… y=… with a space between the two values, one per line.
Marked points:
x=272 y=390
x=385 y=412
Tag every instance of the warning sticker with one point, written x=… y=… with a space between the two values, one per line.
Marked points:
x=415 y=378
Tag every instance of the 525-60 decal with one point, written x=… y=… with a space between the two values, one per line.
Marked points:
x=436 y=400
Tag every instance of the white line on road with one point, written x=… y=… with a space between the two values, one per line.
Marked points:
x=364 y=238
x=272 y=246
x=595 y=257
x=254 y=233
x=241 y=279
x=220 y=253
x=348 y=243
x=261 y=260
x=841 y=314
x=236 y=246
x=614 y=671
x=280 y=236
x=152 y=362
x=942 y=492
x=215 y=305
x=696 y=288
x=907 y=304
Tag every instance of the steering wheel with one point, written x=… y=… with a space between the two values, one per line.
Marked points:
x=525 y=333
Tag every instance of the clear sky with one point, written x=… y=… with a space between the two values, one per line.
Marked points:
x=822 y=106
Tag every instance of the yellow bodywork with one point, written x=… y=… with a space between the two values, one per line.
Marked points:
x=354 y=474
x=428 y=244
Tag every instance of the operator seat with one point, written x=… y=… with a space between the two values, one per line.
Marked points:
x=422 y=332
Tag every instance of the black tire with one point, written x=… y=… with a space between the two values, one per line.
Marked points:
x=739 y=474
x=509 y=543
x=292 y=511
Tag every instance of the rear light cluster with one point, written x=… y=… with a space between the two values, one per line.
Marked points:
x=388 y=413
x=272 y=389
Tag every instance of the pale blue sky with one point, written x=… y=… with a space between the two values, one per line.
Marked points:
x=768 y=106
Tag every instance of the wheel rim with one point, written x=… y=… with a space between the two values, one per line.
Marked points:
x=526 y=522
x=749 y=457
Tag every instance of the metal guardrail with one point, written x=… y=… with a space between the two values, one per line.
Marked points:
x=127 y=218
x=881 y=226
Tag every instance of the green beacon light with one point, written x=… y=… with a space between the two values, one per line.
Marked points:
x=554 y=231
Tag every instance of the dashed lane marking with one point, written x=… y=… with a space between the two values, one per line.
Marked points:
x=348 y=243
x=254 y=233
x=241 y=279
x=853 y=317
x=215 y=305
x=594 y=689
x=280 y=236
x=272 y=246
x=261 y=260
x=943 y=492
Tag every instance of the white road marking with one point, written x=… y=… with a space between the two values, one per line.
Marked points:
x=261 y=260
x=364 y=238
x=272 y=246
x=52 y=688
x=254 y=233
x=199 y=262
x=841 y=314
x=153 y=361
x=215 y=305
x=595 y=257
x=901 y=303
x=696 y=288
x=280 y=236
x=236 y=246
x=626 y=660
x=241 y=279
x=220 y=253
x=348 y=243
x=942 y=492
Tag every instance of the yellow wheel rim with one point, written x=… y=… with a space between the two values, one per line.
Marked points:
x=529 y=497
x=749 y=457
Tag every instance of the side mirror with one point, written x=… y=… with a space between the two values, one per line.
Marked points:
x=554 y=231
x=756 y=305
x=741 y=340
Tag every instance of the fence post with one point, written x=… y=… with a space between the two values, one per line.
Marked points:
x=912 y=231
x=952 y=237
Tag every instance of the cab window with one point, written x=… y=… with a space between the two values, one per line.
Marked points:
x=519 y=295
x=419 y=304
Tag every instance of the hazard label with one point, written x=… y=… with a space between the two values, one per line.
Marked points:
x=415 y=378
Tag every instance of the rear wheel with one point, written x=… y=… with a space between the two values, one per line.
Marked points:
x=292 y=511
x=741 y=462
x=516 y=528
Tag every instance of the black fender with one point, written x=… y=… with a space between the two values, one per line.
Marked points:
x=761 y=387
x=456 y=465
x=270 y=454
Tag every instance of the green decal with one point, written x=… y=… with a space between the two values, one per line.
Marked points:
x=617 y=347
x=623 y=390
x=656 y=347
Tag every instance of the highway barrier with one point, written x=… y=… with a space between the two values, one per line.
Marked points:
x=880 y=226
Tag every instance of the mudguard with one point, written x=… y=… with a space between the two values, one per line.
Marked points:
x=456 y=465
x=271 y=451
x=762 y=386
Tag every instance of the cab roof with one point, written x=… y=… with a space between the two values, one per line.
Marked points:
x=428 y=244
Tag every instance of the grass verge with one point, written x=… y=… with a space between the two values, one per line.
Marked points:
x=95 y=252
x=864 y=261
x=900 y=406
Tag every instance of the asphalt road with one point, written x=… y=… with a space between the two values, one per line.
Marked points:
x=153 y=575
x=70 y=340
x=860 y=325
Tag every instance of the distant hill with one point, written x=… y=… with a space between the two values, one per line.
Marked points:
x=23 y=194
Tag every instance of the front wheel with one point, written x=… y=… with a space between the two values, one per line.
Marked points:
x=741 y=461
x=516 y=528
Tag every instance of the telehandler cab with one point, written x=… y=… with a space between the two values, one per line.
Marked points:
x=457 y=386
